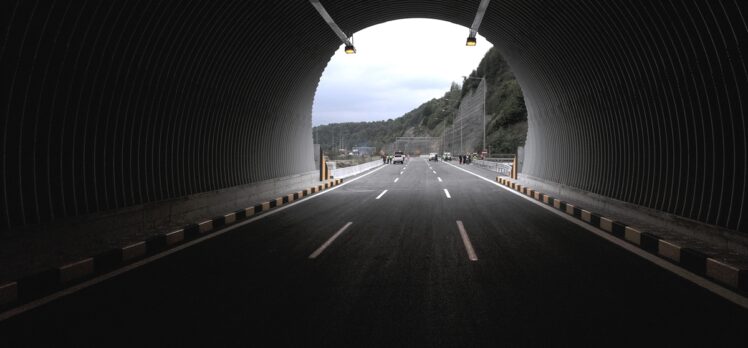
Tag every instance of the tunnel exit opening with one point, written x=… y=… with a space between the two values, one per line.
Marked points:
x=415 y=79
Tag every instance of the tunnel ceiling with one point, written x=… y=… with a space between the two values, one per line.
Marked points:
x=116 y=103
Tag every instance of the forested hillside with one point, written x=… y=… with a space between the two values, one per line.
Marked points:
x=506 y=115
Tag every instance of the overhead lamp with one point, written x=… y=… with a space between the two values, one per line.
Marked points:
x=471 y=41
x=348 y=41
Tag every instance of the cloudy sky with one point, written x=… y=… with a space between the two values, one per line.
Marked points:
x=389 y=76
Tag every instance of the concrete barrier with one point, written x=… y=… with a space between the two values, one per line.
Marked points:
x=340 y=173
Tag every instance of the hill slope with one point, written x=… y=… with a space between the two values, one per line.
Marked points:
x=506 y=115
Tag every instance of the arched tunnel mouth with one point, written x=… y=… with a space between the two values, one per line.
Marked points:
x=421 y=95
x=161 y=153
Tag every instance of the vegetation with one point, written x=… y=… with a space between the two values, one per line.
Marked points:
x=506 y=114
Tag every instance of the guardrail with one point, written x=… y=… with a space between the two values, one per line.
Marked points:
x=493 y=164
x=340 y=173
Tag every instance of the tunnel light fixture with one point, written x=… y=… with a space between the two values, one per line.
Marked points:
x=349 y=49
x=471 y=41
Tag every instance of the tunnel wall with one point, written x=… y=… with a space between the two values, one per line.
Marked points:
x=112 y=104
x=118 y=103
x=643 y=102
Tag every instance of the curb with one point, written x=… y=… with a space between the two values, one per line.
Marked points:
x=38 y=285
x=689 y=259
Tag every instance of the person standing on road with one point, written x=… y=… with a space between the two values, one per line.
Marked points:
x=460 y=159
x=384 y=159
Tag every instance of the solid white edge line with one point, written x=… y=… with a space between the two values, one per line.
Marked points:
x=329 y=241
x=466 y=241
x=381 y=194
x=682 y=272
x=447 y=193
x=73 y=289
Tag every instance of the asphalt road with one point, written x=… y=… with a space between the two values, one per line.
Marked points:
x=399 y=275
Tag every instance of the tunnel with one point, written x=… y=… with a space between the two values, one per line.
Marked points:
x=120 y=105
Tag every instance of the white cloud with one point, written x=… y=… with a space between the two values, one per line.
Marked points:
x=398 y=66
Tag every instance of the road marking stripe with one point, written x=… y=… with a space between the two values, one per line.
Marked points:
x=396 y=179
x=447 y=193
x=401 y=173
x=440 y=179
x=466 y=241
x=329 y=241
x=715 y=288
x=382 y=194
x=434 y=171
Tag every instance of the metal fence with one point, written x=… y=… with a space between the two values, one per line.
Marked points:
x=465 y=135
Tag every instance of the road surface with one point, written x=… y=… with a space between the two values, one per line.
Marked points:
x=441 y=258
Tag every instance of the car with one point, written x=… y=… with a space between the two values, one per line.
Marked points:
x=399 y=157
x=447 y=156
x=433 y=157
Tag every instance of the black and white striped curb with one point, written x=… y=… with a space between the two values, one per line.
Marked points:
x=37 y=285
x=688 y=258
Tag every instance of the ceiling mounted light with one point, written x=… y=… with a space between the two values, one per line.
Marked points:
x=348 y=41
x=471 y=41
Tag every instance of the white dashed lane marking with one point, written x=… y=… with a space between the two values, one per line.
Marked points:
x=381 y=194
x=329 y=241
x=466 y=241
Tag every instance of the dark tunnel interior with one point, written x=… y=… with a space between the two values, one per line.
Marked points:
x=109 y=105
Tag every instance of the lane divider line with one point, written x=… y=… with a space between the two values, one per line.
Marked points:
x=434 y=171
x=329 y=241
x=396 y=179
x=466 y=240
x=38 y=289
x=447 y=193
x=695 y=269
x=381 y=194
x=440 y=179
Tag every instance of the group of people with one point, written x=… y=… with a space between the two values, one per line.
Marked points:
x=466 y=159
